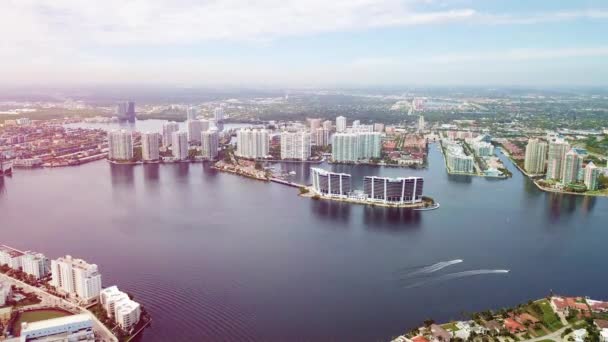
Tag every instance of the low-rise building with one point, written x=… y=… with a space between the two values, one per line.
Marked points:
x=120 y=307
x=68 y=328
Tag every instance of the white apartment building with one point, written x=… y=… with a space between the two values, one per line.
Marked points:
x=150 y=142
x=191 y=113
x=556 y=158
x=11 y=257
x=120 y=145
x=340 y=124
x=168 y=129
x=120 y=307
x=210 y=142
x=36 y=264
x=295 y=145
x=536 y=156
x=179 y=145
x=76 y=277
x=252 y=143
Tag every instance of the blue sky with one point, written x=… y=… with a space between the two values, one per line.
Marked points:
x=305 y=43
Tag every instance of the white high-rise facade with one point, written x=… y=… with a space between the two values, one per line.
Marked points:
x=168 y=129
x=573 y=162
x=36 y=264
x=295 y=145
x=421 y=123
x=327 y=125
x=345 y=147
x=536 y=156
x=76 y=277
x=218 y=114
x=191 y=113
x=179 y=145
x=314 y=124
x=591 y=176
x=195 y=127
x=209 y=144
x=252 y=143
x=120 y=145
x=555 y=159
x=340 y=124
x=322 y=137
x=150 y=144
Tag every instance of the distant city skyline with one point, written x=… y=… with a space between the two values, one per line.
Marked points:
x=312 y=43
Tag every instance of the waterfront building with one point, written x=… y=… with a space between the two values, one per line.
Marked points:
x=120 y=145
x=23 y=121
x=36 y=264
x=68 y=328
x=76 y=277
x=252 y=143
x=168 y=129
x=210 y=142
x=482 y=148
x=179 y=145
x=457 y=160
x=11 y=257
x=573 y=163
x=327 y=125
x=295 y=145
x=5 y=293
x=345 y=147
x=340 y=124
x=322 y=137
x=195 y=127
x=555 y=160
x=536 y=156
x=191 y=113
x=150 y=146
x=218 y=114
x=591 y=175
x=125 y=312
x=393 y=190
x=126 y=111
x=350 y=147
x=330 y=183
x=356 y=123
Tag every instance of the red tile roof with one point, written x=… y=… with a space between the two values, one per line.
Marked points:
x=420 y=339
x=513 y=326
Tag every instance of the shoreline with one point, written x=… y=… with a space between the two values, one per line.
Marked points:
x=450 y=172
x=416 y=206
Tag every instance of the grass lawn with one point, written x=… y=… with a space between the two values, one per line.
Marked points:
x=450 y=327
x=35 y=316
x=547 y=340
x=549 y=318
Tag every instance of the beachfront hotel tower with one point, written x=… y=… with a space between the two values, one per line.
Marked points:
x=393 y=190
x=330 y=183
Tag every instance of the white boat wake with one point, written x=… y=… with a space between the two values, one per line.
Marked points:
x=456 y=275
x=433 y=268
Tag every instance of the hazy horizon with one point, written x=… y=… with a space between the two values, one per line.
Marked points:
x=275 y=43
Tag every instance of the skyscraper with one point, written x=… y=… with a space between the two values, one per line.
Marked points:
x=36 y=264
x=295 y=145
x=350 y=147
x=340 y=124
x=209 y=144
x=126 y=111
x=592 y=174
x=573 y=163
x=191 y=113
x=150 y=146
x=76 y=277
x=195 y=127
x=179 y=145
x=120 y=145
x=421 y=123
x=252 y=143
x=168 y=129
x=322 y=137
x=555 y=160
x=327 y=125
x=536 y=156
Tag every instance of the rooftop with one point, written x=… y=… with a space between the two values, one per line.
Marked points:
x=53 y=322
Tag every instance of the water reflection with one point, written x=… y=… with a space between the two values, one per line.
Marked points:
x=460 y=179
x=2 y=187
x=391 y=219
x=182 y=170
x=151 y=172
x=337 y=211
x=121 y=174
x=562 y=206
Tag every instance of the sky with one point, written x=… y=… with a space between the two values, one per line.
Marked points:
x=304 y=43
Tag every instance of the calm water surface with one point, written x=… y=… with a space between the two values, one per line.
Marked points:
x=217 y=257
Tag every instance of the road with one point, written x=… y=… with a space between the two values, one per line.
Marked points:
x=555 y=336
